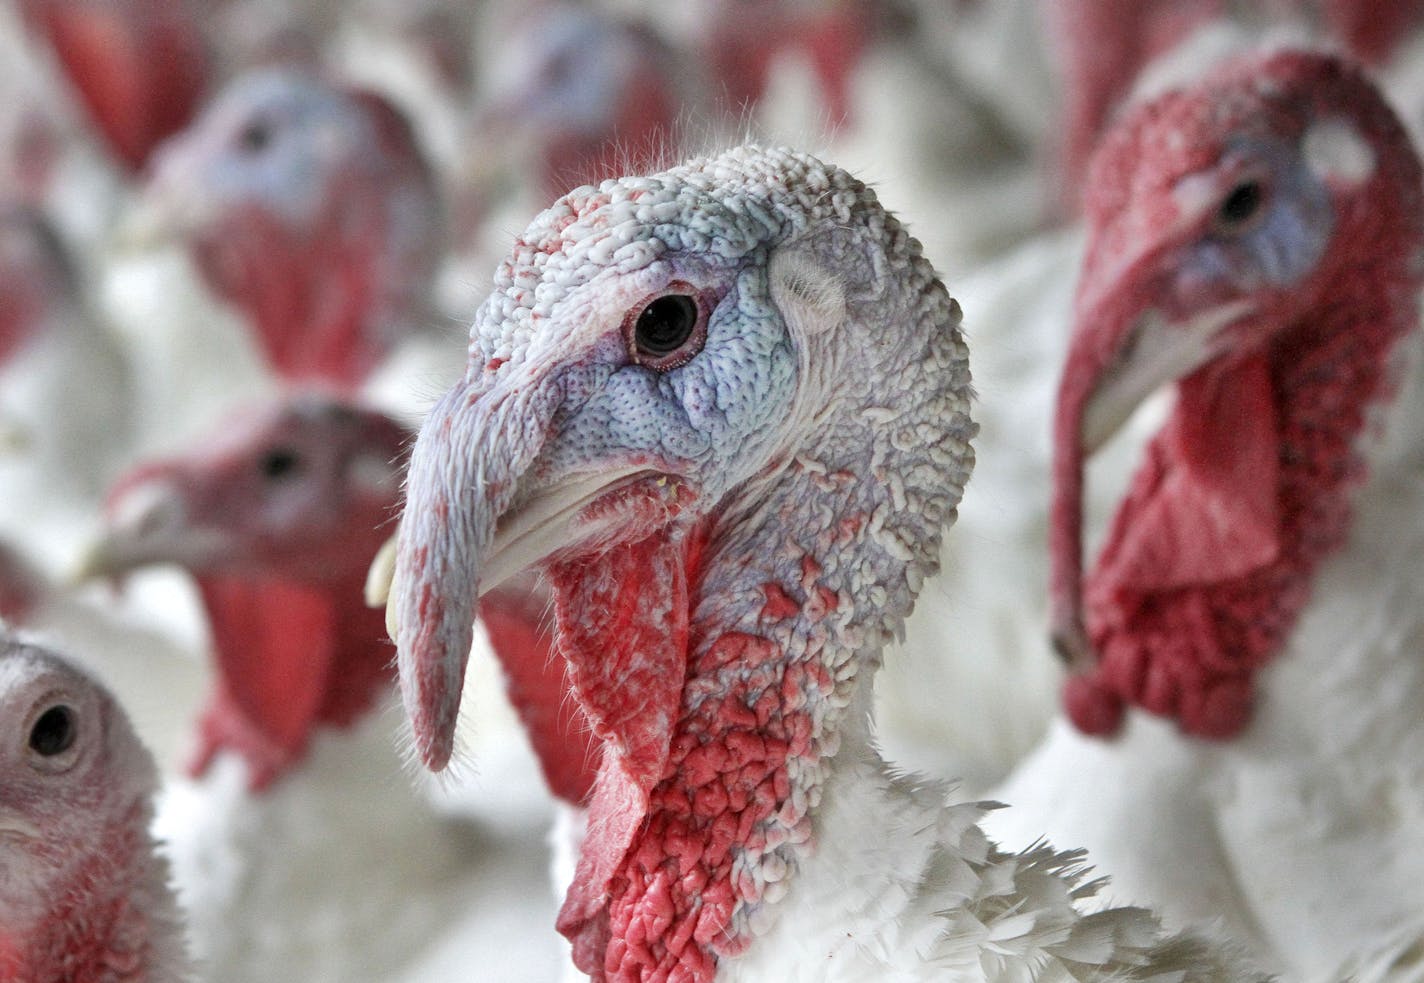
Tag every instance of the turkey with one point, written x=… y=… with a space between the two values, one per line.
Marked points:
x=311 y=209
x=84 y=894
x=1254 y=236
x=277 y=516
x=677 y=404
x=569 y=94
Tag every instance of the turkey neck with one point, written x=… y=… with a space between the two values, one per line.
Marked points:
x=792 y=591
x=109 y=917
x=1330 y=371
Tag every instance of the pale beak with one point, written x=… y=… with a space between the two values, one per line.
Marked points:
x=1156 y=354
x=148 y=525
x=528 y=533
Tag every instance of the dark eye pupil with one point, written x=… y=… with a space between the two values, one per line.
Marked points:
x=53 y=733
x=1241 y=204
x=255 y=137
x=665 y=325
x=280 y=463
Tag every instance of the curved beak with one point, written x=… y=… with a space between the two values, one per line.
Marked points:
x=477 y=512
x=146 y=523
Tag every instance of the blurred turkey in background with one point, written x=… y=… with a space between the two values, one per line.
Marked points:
x=205 y=204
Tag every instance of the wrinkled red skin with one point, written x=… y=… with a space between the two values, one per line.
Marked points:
x=140 y=67
x=701 y=723
x=1179 y=630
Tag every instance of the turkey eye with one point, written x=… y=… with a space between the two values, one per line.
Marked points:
x=254 y=137
x=665 y=325
x=54 y=732
x=668 y=332
x=1240 y=207
x=280 y=463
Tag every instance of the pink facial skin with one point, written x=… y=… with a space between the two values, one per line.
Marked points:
x=83 y=894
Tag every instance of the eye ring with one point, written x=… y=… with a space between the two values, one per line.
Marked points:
x=666 y=330
x=1242 y=208
x=53 y=732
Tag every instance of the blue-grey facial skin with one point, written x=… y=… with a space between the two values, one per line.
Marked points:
x=1280 y=245
x=698 y=418
x=271 y=137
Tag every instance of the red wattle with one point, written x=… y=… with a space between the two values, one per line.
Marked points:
x=627 y=665
x=1182 y=623
x=539 y=690
x=1092 y=708
x=290 y=659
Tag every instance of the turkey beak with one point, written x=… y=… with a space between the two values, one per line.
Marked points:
x=146 y=522
x=1121 y=353
x=165 y=210
x=475 y=515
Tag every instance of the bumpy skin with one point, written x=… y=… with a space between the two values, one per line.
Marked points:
x=311 y=208
x=83 y=894
x=764 y=507
x=1247 y=488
